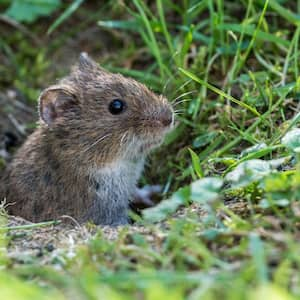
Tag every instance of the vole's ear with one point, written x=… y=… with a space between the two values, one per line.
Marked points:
x=55 y=102
x=85 y=63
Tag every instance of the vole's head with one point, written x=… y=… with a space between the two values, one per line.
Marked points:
x=103 y=116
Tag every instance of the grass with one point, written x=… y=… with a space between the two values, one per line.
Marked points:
x=229 y=224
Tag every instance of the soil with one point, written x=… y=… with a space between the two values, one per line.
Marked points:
x=45 y=243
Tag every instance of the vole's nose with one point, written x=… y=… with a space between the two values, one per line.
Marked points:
x=167 y=120
x=166 y=117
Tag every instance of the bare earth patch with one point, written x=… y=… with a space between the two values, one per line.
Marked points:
x=47 y=242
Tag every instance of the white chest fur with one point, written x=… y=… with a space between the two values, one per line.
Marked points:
x=114 y=186
x=121 y=174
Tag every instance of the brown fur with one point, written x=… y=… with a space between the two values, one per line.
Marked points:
x=53 y=173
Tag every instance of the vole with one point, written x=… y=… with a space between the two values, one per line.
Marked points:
x=87 y=154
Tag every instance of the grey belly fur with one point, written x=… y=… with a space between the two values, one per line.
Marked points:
x=114 y=186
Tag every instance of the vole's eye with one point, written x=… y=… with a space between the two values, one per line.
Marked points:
x=117 y=106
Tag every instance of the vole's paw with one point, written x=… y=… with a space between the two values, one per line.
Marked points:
x=121 y=221
x=144 y=196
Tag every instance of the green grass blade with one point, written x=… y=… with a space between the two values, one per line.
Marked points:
x=154 y=45
x=131 y=25
x=284 y=12
x=258 y=255
x=66 y=14
x=219 y=92
x=250 y=30
x=30 y=226
x=244 y=57
x=239 y=138
x=164 y=26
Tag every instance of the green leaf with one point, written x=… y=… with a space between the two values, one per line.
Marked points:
x=277 y=182
x=256 y=151
x=251 y=170
x=167 y=207
x=269 y=291
x=157 y=290
x=292 y=140
x=31 y=10
x=253 y=149
x=196 y=35
x=206 y=189
x=204 y=139
x=196 y=163
x=14 y=288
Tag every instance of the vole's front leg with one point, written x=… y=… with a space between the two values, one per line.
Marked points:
x=108 y=211
x=143 y=197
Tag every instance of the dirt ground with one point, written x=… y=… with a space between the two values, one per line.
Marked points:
x=45 y=243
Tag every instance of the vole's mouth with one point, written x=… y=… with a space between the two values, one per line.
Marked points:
x=151 y=141
x=160 y=119
x=162 y=123
x=155 y=130
x=149 y=134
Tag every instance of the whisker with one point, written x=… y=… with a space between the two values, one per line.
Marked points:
x=179 y=110
x=184 y=94
x=166 y=84
x=182 y=86
x=173 y=119
x=96 y=142
x=183 y=100
x=123 y=138
x=172 y=76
